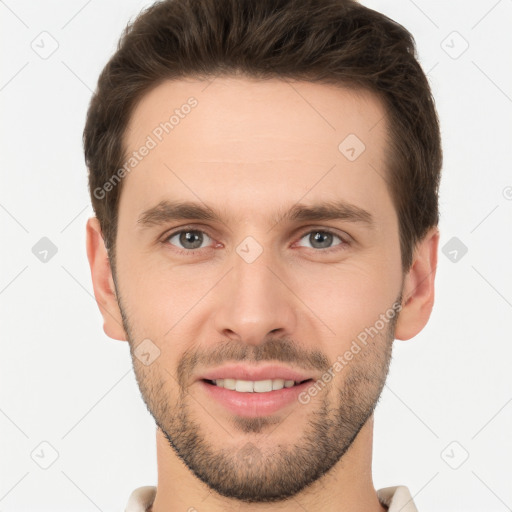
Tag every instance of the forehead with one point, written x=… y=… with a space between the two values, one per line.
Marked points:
x=233 y=107
x=255 y=139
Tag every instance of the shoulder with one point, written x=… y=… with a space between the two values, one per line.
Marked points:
x=397 y=498
x=141 y=499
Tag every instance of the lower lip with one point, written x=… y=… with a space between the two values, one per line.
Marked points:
x=253 y=405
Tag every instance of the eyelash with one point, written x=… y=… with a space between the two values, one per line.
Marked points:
x=191 y=252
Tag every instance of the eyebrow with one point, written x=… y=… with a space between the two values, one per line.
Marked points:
x=167 y=211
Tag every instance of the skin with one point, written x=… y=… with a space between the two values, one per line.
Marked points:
x=251 y=150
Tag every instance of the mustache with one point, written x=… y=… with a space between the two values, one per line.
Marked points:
x=272 y=349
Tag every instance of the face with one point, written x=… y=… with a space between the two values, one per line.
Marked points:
x=282 y=267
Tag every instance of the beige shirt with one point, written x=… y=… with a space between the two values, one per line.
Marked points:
x=397 y=499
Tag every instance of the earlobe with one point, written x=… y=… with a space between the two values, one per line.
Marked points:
x=103 y=283
x=418 y=291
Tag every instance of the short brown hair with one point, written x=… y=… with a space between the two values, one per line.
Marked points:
x=329 y=41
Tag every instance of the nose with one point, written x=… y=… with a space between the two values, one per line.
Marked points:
x=255 y=301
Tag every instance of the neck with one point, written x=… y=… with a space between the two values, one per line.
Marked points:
x=348 y=486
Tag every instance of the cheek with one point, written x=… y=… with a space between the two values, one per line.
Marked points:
x=350 y=297
x=157 y=295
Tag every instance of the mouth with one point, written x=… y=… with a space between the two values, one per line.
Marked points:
x=254 y=390
x=253 y=398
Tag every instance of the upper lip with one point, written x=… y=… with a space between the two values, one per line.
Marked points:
x=244 y=372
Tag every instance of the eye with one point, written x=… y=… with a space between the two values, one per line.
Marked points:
x=188 y=239
x=322 y=239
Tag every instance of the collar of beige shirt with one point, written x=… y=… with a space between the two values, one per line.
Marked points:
x=397 y=499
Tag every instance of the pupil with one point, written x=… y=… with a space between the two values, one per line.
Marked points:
x=187 y=237
x=323 y=238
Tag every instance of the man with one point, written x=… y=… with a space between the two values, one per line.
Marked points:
x=265 y=179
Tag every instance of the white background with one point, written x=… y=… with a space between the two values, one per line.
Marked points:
x=63 y=382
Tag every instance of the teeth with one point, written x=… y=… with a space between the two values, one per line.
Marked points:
x=244 y=386
x=251 y=386
x=227 y=383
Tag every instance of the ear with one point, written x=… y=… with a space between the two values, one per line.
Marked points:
x=103 y=283
x=418 y=289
